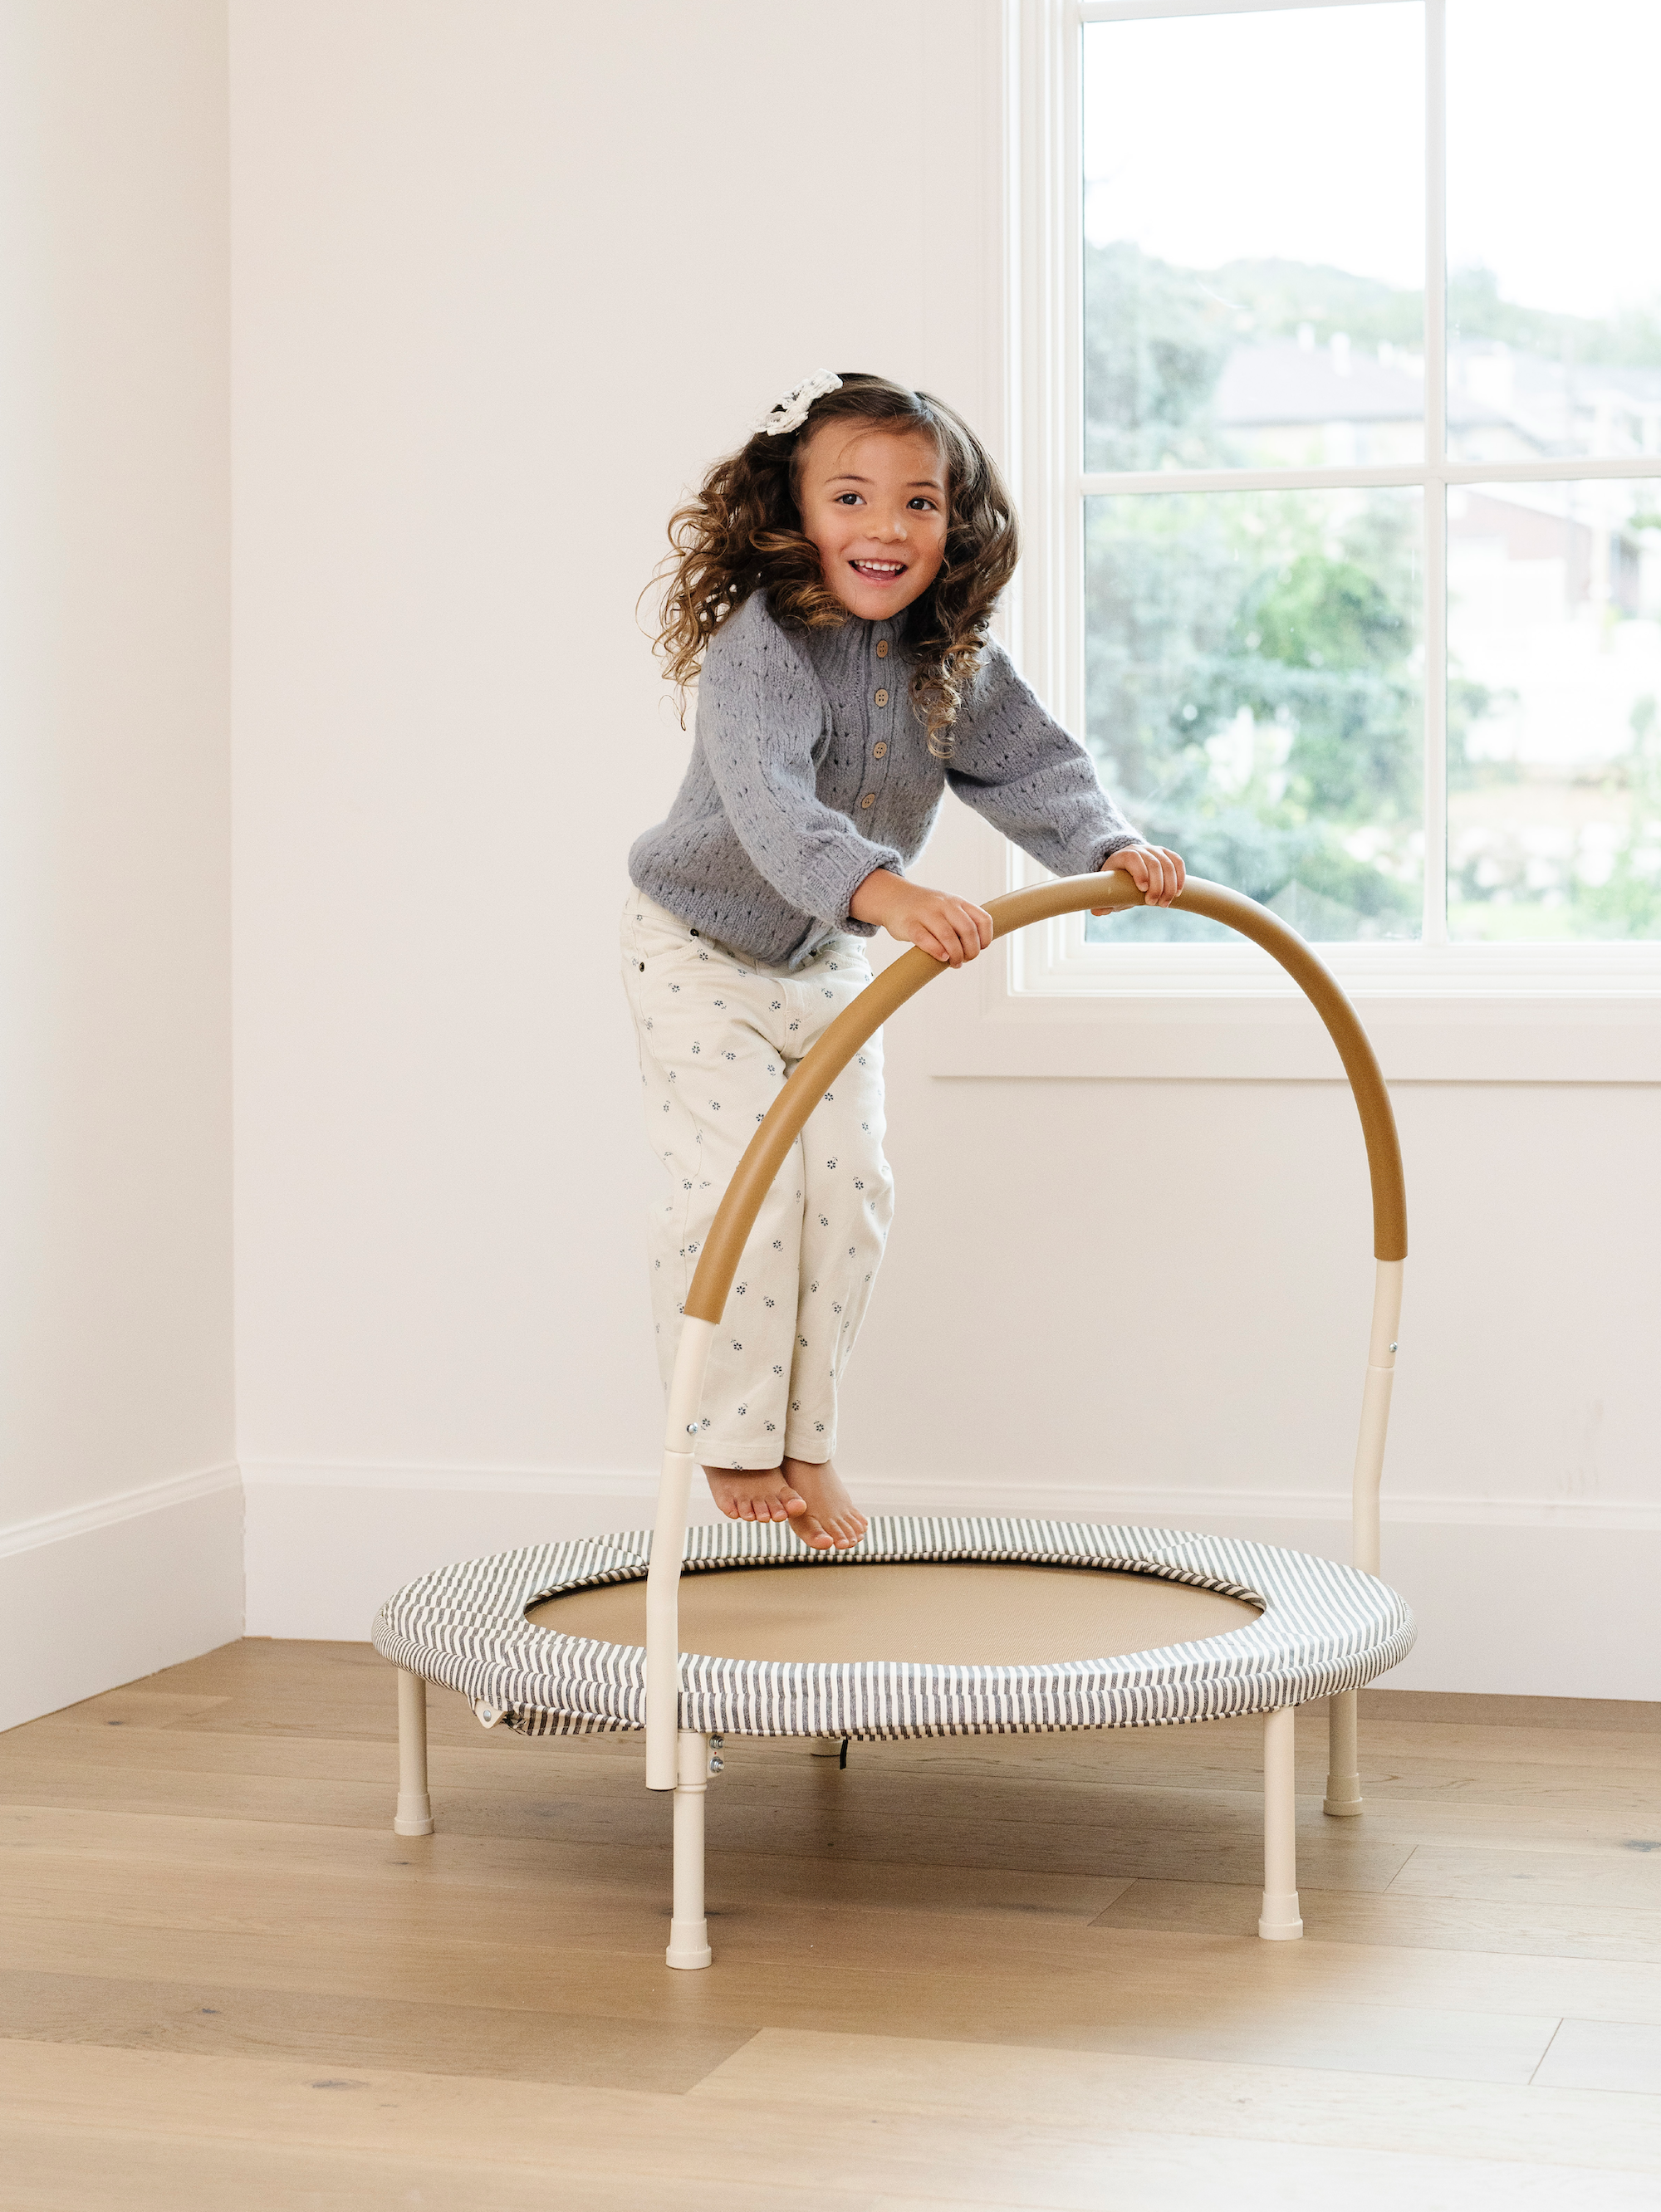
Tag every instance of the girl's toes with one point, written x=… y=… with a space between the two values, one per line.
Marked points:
x=793 y=1505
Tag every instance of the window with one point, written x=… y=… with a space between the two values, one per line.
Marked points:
x=1341 y=428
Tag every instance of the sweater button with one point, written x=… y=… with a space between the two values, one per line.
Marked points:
x=880 y=749
x=869 y=799
x=882 y=648
x=882 y=698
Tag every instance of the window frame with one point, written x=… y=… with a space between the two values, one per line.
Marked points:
x=1044 y=227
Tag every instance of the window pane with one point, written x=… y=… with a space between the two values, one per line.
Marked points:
x=1554 y=727
x=1254 y=697
x=1253 y=222
x=1554 y=249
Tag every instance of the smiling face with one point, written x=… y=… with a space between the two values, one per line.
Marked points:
x=875 y=502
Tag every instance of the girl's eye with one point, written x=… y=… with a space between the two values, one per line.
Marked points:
x=920 y=501
x=848 y=499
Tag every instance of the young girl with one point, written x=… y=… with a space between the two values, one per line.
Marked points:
x=831 y=588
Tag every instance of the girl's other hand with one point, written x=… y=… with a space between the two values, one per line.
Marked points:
x=1156 y=874
x=938 y=923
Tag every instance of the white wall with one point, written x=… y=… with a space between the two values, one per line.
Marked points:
x=506 y=276
x=120 y=1539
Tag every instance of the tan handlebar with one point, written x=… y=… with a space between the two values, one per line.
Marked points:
x=753 y=1178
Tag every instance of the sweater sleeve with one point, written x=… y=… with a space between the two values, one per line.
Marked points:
x=1016 y=765
x=762 y=718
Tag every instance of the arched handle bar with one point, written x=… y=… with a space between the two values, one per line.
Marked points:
x=903 y=979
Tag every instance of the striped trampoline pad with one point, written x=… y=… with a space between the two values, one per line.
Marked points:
x=1306 y=1627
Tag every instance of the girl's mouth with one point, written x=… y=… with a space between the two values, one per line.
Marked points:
x=879 y=572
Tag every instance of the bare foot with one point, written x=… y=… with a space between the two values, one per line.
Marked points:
x=764 y=1495
x=827 y=1501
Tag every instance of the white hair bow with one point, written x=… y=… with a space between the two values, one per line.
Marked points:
x=791 y=412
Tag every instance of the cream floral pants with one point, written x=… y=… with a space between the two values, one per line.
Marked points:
x=719 y=1035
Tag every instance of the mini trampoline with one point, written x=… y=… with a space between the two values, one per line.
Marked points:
x=925 y=1627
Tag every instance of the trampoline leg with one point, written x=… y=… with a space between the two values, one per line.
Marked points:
x=689 y=1931
x=415 y=1807
x=1343 y=1797
x=1279 y=1921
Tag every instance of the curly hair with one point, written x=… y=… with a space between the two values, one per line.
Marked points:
x=743 y=534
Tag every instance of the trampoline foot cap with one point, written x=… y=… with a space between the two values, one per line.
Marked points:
x=414 y=1816
x=1279 y=1922
x=689 y=1943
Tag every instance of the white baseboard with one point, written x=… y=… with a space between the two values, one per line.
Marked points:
x=102 y=1593
x=1513 y=1598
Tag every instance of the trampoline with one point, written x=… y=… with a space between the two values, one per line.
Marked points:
x=925 y=1627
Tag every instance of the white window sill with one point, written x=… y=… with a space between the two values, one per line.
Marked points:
x=1046 y=1005
x=970 y=1026
x=1053 y=960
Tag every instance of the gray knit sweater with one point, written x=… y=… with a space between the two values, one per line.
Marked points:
x=811 y=768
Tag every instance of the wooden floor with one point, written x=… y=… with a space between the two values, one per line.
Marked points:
x=988 y=1974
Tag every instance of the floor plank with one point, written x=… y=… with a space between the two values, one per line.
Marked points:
x=1571 y=2123
x=1604 y=2054
x=1182 y=1996
x=1625 y=1716
x=333 y=2032
x=86 y=2168
x=1599 y=1929
x=51 y=1838
x=1628 y=1881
